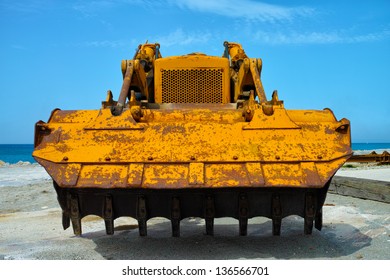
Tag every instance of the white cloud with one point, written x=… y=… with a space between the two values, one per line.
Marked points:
x=178 y=37
x=90 y=8
x=93 y=8
x=26 y=7
x=370 y=37
x=244 y=9
x=103 y=44
x=298 y=38
x=18 y=47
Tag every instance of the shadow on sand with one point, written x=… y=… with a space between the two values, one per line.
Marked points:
x=334 y=241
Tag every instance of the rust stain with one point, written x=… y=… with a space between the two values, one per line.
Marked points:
x=191 y=134
x=232 y=141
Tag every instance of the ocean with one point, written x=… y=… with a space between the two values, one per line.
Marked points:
x=18 y=167
x=14 y=153
x=366 y=148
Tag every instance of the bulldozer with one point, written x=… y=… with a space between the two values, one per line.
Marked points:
x=192 y=136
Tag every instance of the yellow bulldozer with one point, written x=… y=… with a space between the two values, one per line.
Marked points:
x=192 y=136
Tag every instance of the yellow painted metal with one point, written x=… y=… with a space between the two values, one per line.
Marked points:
x=236 y=51
x=194 y=148
x=194 y=78
x=233 y=143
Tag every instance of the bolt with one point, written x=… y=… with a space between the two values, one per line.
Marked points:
x=150 y=158
x=192 y=158
x=235 y=157
x=319 y=157
x=108 y=158
x=65 y=158
x=277 y=157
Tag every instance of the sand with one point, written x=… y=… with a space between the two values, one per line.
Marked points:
x=30 y=228
x=366 y=171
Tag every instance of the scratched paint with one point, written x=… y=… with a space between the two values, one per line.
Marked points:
x=190 y=135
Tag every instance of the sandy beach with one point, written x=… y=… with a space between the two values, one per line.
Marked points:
x=366 y=171
x=30 y=228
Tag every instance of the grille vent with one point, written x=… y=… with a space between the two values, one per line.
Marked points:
x=192 y=86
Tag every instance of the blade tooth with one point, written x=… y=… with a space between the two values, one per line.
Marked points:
x=142 y=215
x=76 y=224
x=243 y=212
x=108 y=215
x=318 y=220
x=142 y=228
x=276 y=214
x=243 y=225
x=75 y=214
x=209 y=226
x=109 y=224
x=64 y=200
x=209 y=214
x=65 y=220
x=175 y=217
x=310 y=212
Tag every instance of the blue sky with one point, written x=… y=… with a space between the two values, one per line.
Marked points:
x=317 y=54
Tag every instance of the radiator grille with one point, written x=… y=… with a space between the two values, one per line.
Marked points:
x=192 y=86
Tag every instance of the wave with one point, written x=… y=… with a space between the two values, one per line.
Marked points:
x=19 y=163
x=366 y=152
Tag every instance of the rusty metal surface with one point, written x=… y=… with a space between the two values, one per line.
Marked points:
x=202 y=140
x=192 y=148
x=175 y=205
x=371 y=157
